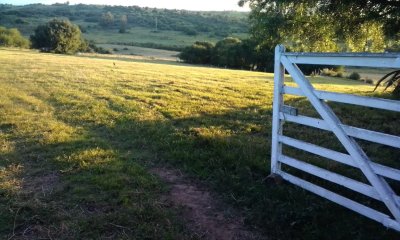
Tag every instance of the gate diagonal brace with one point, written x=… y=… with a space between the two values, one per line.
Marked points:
x=358 y=155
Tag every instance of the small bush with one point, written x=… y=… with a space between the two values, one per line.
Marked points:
x=355 y=76
x=12 y=38
x=125 y=48
x=92 y=47
x=340 y=74
x=332 y=73
x=369 y=81
x=189 y=31
x=309 y=69
x=115 y=49
x=21 y=21
x=103 y=51
x=328 y=72
x=339 y=69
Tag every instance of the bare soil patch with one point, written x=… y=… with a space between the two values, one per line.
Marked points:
x=203 y=213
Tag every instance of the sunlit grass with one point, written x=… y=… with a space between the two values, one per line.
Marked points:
x=94 y=125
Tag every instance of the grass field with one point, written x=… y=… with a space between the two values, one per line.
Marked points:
x=140 y=51
x=134 y=35
x=138 y=35
x=78 y=135
x=374 y=74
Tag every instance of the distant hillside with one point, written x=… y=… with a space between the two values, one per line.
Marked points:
x=96 y=20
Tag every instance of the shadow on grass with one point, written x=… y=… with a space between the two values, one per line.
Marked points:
x=230 y=152
x=83 y=189
x=103 y=184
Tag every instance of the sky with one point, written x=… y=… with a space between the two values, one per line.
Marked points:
x=197 y=5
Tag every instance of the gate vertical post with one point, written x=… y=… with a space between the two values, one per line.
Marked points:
x=279 y=77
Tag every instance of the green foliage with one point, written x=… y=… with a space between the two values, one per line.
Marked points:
x=367 y=37
x=394 y=45
x=92 y=47
x=318 y=26
x=21 y=21
x=328 y=72
x=59 y=36
x=12 y=38
x=189 y=31
x=369 y=81
x=355 y=76
x=391 y=79
x=331 y=73
x=107 y=19
x=226 y=53
x=198 y=53
x=123 y=24
x=339 y=68
x=219 y=24
x=229 y=53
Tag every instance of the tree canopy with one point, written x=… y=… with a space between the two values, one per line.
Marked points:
x=324 y=25
x=12 y=38
x=198 y=53
x=59 y=36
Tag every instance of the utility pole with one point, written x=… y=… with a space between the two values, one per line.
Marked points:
x=156 y=24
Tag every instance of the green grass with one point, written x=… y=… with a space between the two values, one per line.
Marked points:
x=140 y=51
x=89 y=130
x=374 y=74
x=134 y=35
x=139 y=35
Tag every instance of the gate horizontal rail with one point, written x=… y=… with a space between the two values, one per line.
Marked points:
x=385 y=104
x=377 y=187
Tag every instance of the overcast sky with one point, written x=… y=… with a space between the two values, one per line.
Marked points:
x=205 y=5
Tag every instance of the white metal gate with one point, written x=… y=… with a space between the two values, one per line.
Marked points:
x=378 y=188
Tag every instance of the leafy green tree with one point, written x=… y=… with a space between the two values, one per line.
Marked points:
x=369 y=37
x=226 y=53
x=348 y=13
x=12 y=38
x=107 y=19
x=324 y=25
x=59 y=36
x=248 y=54
x=198 y=53
x=123 y=24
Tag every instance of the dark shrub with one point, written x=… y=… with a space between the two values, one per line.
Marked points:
x=339 y=69
x=59 y=36
x=21 y=21
x=369 y=81
x=198 y=53
x=339 y=74
x=189 y=31
x=355 y=76
x=309 y=69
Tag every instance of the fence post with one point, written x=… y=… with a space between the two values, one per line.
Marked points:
x=279 y=77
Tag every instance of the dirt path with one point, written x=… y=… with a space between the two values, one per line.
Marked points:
x=204 y=215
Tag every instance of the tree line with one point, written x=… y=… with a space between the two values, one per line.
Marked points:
x=304 y=26
x=228 y=53
x=56 y=36
x=220 y=24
